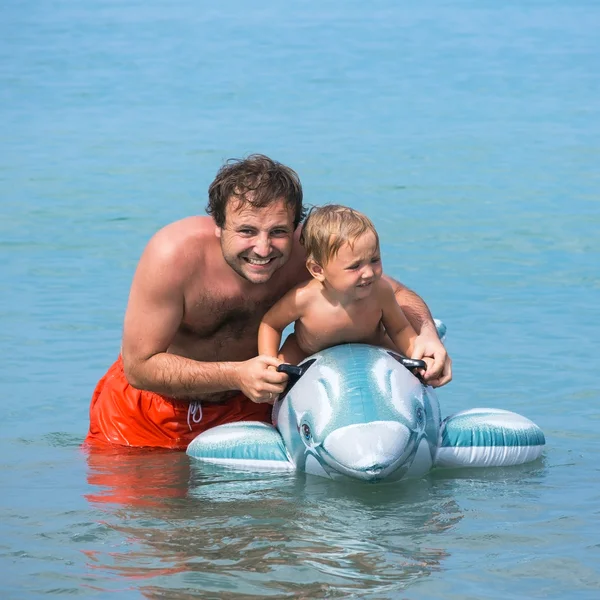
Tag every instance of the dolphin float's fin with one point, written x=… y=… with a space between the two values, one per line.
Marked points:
x=243 y=445
x=488 y=437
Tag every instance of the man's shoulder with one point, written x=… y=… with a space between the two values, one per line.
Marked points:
x=182 y=242
x=182 y=233
x=189 y=227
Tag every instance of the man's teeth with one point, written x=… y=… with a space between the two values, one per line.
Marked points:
x=258 y=261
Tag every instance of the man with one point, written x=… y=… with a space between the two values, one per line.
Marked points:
x=188 y=358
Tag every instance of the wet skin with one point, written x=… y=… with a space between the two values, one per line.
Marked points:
x=200 y=291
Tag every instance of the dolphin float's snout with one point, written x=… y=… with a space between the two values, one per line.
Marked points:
x=367 y=451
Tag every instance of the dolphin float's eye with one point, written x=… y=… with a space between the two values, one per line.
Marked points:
x=306 y=431
x=420 y=415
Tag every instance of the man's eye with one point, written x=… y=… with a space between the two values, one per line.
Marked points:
x=279 y=233
x=246 y=232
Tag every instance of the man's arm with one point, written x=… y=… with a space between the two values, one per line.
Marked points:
x=153 y=317
x=428 y=343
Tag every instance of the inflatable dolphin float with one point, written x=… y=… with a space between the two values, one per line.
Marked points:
x=357 y=411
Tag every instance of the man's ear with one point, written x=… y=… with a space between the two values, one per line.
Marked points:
x=315 y=269
x=218 y=231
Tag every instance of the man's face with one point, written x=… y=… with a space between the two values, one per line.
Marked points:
x=257 y=241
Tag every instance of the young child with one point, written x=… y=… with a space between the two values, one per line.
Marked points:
x=346 y=301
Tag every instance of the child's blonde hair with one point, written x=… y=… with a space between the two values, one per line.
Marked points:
x=327 y=228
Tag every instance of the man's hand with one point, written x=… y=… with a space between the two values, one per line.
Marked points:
x=429 y=346
x=259 y=380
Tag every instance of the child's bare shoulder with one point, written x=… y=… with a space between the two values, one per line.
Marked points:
x=304 y=292
x=384 y=287
x=385 y=293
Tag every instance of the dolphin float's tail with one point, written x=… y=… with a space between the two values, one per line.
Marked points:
x=488 y=437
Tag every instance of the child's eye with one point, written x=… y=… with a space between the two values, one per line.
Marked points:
x=376 y=259
x=353 y=267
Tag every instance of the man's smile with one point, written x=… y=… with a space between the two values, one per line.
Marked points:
x=259 y=262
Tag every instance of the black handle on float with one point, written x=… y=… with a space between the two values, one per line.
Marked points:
x=412 y=363
x=292 y=371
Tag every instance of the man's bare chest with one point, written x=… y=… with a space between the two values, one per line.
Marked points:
x=209 y=316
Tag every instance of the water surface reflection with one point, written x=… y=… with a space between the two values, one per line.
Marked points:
x=190 y=529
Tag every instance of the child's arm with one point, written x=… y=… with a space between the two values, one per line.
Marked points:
x=285 y=311
x=394 y=320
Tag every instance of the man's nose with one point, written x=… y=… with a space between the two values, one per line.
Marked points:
x=262 y=245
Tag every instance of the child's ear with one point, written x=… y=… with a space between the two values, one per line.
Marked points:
x=315 y=269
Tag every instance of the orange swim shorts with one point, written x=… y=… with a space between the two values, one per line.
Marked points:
x=121 y=414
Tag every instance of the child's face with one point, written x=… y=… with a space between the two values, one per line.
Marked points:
x=355 y=268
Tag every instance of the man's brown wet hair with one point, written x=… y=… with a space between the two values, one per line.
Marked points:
x=327 y=228
x=258 y=181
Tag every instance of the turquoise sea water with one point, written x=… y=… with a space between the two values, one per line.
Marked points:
x=468 y=130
